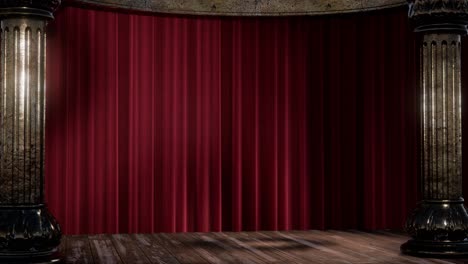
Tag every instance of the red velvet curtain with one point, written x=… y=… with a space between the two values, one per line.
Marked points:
x=183 y=123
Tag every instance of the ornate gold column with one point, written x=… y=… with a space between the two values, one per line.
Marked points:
x=439 y=224
x=27 y=229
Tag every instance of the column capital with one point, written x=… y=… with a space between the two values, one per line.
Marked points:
x=41 y=8
x=439 y=15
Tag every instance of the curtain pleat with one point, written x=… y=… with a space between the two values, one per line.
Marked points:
x=161 y=123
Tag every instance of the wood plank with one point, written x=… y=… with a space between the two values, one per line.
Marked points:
x=243 y=247
x=390 y=246
x=226 y=249
x=78 y=250
x=405 y=237
x=303 y=250
x=155 y=252
x=198 y=242
x=181 y=252
x=127 y=250
x=347 y=251
x=268 y=246
x=193 y=244
x=317 y=249
x=284 y=247
x=382 y=255
x=205 y=249
x=262 y=251
x=398 y=239
x=234 y=249
x=103 y=250
x=247 y=249
x=386 y=246
x=399 y=234
x=379 y=237
x=63 y=247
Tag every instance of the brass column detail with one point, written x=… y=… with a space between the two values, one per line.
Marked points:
x=439 y=224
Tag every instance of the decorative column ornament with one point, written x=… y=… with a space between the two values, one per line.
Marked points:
x=27 y=230
x=439 y=224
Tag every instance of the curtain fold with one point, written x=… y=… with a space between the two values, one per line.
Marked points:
x=161 y=123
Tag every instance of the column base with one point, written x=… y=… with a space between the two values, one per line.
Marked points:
x=51 y=257
x=28 y=234
x=435 y=249
x=438 y=228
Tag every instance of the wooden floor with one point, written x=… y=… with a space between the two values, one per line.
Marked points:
x=246 y=247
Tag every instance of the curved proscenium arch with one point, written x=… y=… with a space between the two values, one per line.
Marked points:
x=245 y=7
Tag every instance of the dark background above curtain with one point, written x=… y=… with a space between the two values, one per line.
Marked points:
x=180 y=123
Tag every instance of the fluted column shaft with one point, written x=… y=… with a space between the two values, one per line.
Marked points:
x=22 y=111
x=439 y=223
x=28 y=231
x=441 y=117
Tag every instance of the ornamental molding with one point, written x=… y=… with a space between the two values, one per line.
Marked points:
x=28 y=8
x=48 y=5
x=243 y=7
x=435 y=7
x=439 y=15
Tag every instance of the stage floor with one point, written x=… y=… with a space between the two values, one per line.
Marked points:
x=244 y=247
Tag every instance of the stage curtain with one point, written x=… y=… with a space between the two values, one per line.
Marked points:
x=168 y=123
